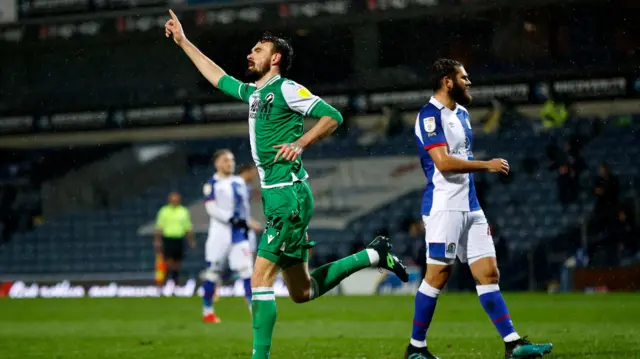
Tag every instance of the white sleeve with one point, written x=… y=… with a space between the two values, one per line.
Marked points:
x=212 y=207
x=298 y=98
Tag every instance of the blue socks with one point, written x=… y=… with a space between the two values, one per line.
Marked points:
x=247 y=290
x=207 y=299
x=495 y=306
x=425 y=306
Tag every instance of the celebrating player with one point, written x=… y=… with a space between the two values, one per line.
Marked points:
x=455 y=224
x=225 y=200
x=277 y=108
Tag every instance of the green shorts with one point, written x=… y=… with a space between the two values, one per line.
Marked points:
x=288 y=211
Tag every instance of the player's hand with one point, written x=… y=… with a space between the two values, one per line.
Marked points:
x=174 y=28
x=157 y=245
x=288 y=151
x=499 y=165
x=238 y=222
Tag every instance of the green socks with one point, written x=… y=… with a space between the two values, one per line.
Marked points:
x=264 y=320
x=324 y=278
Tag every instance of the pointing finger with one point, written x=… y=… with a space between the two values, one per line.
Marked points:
x=173 y=15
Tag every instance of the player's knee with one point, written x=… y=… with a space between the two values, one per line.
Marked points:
x=490 y=276
x=437 y=275
x=245 y=273
x=299 y=296
x=211 y=275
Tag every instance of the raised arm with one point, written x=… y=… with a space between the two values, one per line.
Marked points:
x=209 y=69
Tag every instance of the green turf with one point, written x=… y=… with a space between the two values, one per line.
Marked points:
x=579 y=326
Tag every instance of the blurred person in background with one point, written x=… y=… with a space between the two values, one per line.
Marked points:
x=607 y=191
x=249 y=173
x=568 y=185
x=173 y=224
x=227 y=203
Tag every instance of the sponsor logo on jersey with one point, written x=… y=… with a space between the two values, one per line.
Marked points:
x=429 y=124
x=270 y=238
x=206 y=189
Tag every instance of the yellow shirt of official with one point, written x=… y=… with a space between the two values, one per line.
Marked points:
x=173 y=221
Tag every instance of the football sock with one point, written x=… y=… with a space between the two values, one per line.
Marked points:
x=495 y=306
x=326 y=277
x=247 y=290
x=425 y=306
x=263 y=321
x=207 y=299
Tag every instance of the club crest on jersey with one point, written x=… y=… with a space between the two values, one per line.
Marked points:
x=269 y=97
x=429 y=124
x=451 y=248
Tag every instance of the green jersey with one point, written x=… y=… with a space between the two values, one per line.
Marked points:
x=276 y=116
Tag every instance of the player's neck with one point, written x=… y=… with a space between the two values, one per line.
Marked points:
x=223 y=175
x=445 y=99
x=266 y=78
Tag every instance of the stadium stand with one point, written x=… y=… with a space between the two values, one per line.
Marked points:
x=525 y=207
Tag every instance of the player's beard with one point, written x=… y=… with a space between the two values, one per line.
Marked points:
x=254 y=73
x=460 y=95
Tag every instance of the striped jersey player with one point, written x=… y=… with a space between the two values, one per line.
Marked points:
x=277 y=109
x=455 y=225
x=227 y=203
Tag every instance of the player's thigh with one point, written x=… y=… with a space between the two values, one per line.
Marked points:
x=241 y=260
x=443 y=231
x=216 y=251
x=265 y=272
x=288 y=211
x=479 y=242
x=298 y=281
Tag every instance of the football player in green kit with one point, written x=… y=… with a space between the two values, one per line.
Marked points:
x=277 y=108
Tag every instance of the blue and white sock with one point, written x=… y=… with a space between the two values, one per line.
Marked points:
x=495 y=306
x=425 y=306
x=207 y=299
x=247 y=291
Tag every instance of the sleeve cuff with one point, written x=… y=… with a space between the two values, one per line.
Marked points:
x=434 y=145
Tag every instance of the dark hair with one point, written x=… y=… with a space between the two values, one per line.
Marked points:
x=246 y=167
x=440 y=69
x=220 y=152
x=281 y=46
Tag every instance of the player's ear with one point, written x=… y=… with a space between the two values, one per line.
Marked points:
x=276 y=58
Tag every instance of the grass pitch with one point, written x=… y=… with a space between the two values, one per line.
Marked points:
x=579 y=326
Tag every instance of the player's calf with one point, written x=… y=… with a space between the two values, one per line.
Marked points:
x=211 y=278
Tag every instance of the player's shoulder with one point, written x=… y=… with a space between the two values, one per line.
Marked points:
x=429 y=110
x=463 y=109
x=238 y=179
x=290 y=87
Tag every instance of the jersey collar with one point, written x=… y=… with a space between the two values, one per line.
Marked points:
x=440 y=106
x=271 y=80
